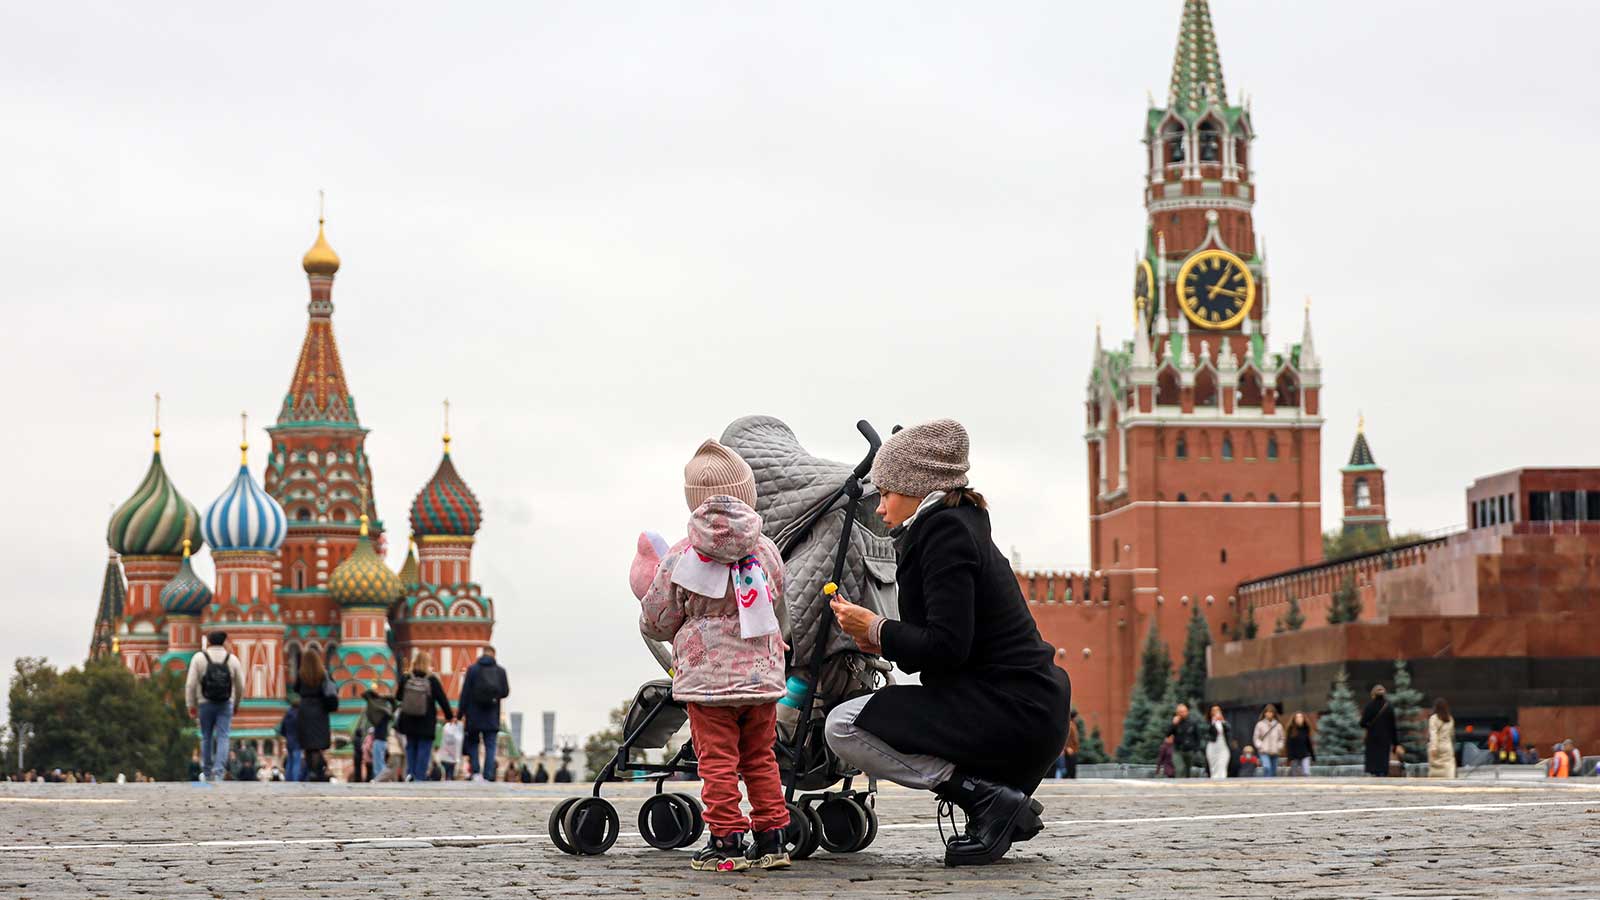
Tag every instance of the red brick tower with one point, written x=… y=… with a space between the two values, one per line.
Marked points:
x=316 y=471
x=1364 y=510
x=445 y=612
x=1203 y=442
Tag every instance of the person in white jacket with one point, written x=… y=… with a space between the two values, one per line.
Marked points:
x=212 y=692
x=1269 y=740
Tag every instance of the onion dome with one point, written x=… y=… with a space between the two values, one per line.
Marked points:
x=156 y=519
x=363 y=579
x=320 y=259
x=445 y=505
x=245 y=517
x=185 y=594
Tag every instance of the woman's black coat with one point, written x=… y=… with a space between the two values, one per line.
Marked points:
x=992 y=699
x=422 y=727
x=1382 y=734
x=314 y=709
x=1298 y=744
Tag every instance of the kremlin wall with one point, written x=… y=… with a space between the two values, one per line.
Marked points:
x=298 y=556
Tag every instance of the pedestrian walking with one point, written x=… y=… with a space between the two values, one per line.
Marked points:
x=212 y=691
x=319 y=697
x=450 y=741
x=1268 y=739
x=1441 y=741
x=1298 y=744
x=422 y=701
x=289 y=727
x=1382 y=733
x=1219 y=751
x=729 y=658
x=379 y=715
x=484 y=686
x=1185 y=740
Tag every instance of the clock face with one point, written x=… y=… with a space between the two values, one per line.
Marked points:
x=1216 y=289
x=1144 y=289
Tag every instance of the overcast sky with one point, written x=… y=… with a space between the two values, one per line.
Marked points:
x=604 y=231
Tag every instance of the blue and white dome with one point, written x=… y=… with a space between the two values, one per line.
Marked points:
x=245 y=517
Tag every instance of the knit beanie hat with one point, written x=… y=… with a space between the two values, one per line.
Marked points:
x=716 y=470
x=922 y=459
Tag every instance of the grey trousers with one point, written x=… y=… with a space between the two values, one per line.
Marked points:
x=867 y=752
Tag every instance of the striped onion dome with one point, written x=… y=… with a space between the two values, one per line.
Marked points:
x=156 y=519
x=445 y=505
x=185 y=594
x=363 y=579
x=245 y=517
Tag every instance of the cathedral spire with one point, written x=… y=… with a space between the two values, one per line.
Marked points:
x=1196 y=66
x=318 y=394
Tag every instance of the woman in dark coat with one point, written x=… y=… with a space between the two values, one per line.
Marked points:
x=1382 y=732
x=990 y=716
x=318 y=698
x=419 y=727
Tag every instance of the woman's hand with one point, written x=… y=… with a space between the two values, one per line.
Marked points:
x=855 y=621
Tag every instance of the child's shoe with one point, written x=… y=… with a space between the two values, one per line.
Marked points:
x=770 y=851
x=721 y=854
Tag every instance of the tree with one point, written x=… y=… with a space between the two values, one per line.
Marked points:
x=1408 y=713
x=1155 y=730
x=1092 y=749
x=1250 y=626
x=1294 y=618
x=100 y=719
x=1192 y=677
x=1339 y=729
x=600 y=747
x=1155 y=665
x=1341 y=545
x=1346 y=604
x=1133 y=729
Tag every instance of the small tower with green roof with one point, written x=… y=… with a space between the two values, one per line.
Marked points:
x=1364 y=510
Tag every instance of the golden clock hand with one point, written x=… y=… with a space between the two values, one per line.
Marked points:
x=1238 y=295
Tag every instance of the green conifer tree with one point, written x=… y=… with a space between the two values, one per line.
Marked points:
x=1294 y=618
x=1339 y=729
x=1346 y=604
x=1133 y=727
x=1192 y=677
x=1092 y=749
x=1409 y=713
x=1250 y=626
x=1155 y=665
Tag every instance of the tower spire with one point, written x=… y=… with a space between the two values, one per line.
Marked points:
x=447 y=426
x=1308 y=347
x=244 y=439
x=157 y=432
x=1197 y=65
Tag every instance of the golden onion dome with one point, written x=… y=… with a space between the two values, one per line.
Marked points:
x=320 y=259
x=362 y=579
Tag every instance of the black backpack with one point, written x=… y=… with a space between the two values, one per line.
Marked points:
x=216 y=681
x=414 y=696
x=491 y=686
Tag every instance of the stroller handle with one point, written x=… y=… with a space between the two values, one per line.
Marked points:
x=873 y=442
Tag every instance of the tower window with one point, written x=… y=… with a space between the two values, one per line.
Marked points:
x=1210 y=142
x=1181 y=451
x=1272 y=447
x=1172 y=143
x=1224 y=554
x=1227 y=448
x=1363 y=494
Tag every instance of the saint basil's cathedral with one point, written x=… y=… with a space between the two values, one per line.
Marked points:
x=298 y=555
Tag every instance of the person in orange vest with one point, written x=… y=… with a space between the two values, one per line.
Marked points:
x=1560 y=764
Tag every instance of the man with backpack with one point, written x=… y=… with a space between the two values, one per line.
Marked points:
x=482 y=689
x=212 y=692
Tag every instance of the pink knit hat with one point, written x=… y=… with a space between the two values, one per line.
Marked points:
x=716 y=470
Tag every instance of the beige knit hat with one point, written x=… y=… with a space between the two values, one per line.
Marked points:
x=922 y=459
x=716 y=470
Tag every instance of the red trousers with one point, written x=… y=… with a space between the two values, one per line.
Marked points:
x=733 y=742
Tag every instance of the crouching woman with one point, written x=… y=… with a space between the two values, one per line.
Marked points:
x=991 y=713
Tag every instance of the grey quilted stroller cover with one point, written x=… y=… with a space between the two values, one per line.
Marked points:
x=791 y=484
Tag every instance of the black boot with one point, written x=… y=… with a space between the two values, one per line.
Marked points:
x=770 y=850
x=995 y=815
x=721 y=854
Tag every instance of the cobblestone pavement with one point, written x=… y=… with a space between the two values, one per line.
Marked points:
x=1337 y=838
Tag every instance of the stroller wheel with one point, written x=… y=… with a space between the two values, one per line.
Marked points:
x=556 y=826
x=699 y=811
x=805 y=830
x=666 y=821
x=872 y=822
x=844 y=824
x=591 y=825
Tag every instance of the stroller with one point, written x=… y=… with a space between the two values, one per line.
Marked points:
x=816 y=512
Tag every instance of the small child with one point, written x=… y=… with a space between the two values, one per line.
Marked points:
x=1248 y=762
x=714 y=595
